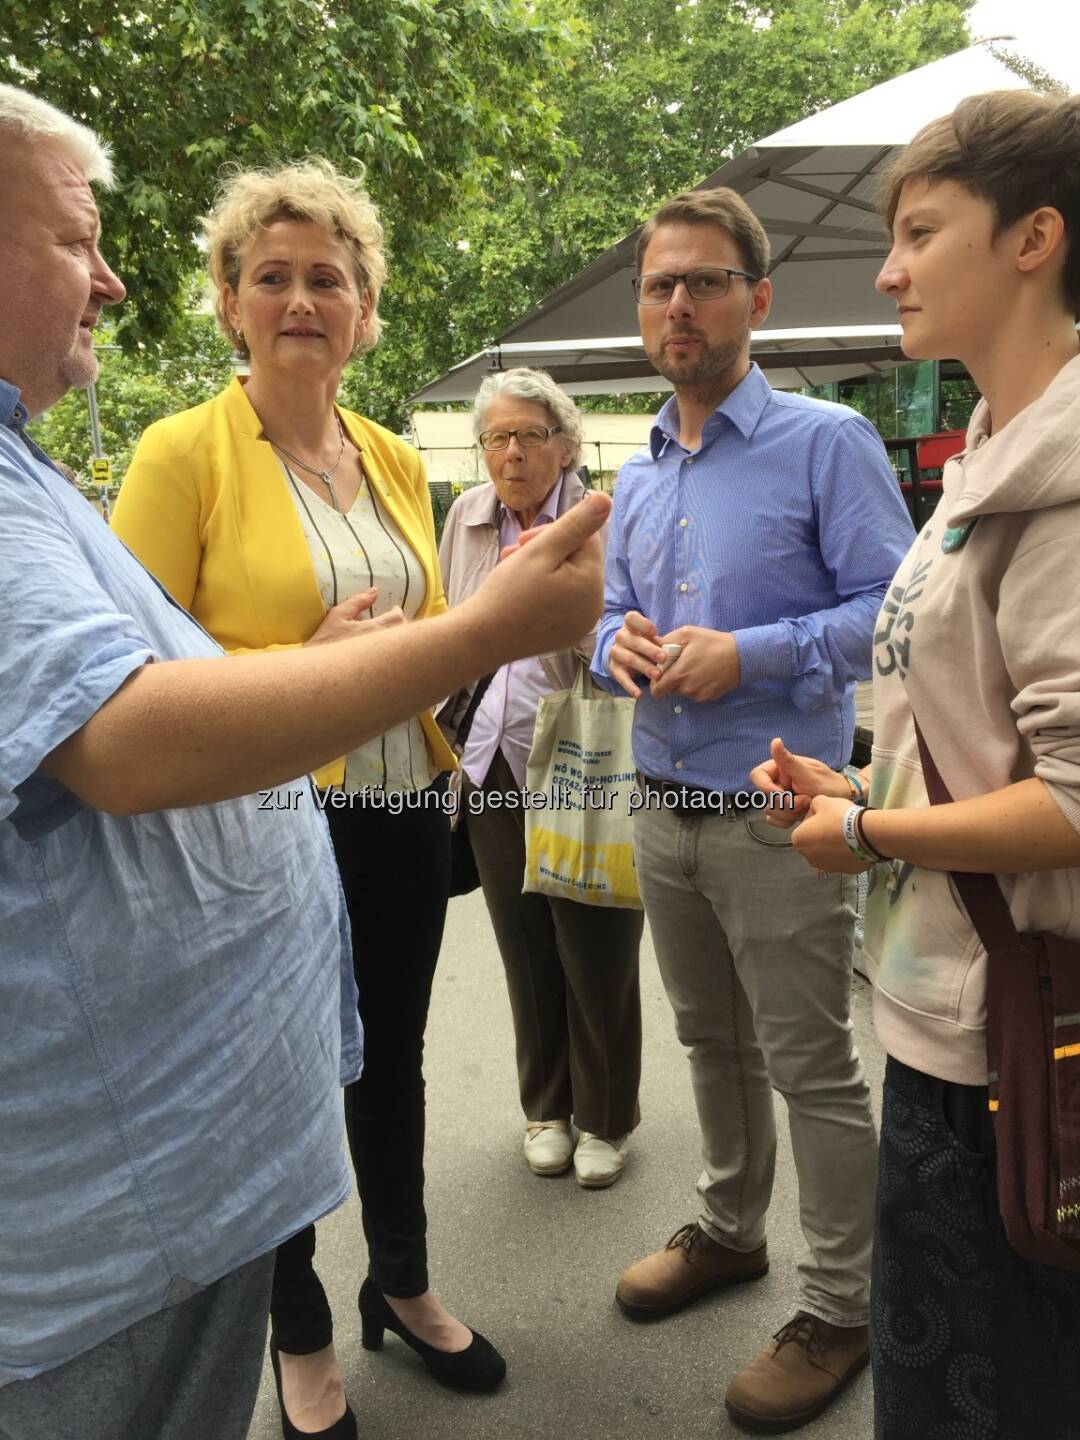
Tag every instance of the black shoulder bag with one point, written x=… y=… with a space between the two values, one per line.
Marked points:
x=464 y=876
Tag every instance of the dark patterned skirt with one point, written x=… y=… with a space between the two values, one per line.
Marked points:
x=968 y=1341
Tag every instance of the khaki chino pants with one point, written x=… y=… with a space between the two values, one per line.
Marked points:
x=756 y=955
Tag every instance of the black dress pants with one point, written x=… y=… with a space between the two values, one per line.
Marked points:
x=395 y=871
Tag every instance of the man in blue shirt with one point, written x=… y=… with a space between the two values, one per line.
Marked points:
x=755 y=537
x=177 y=1006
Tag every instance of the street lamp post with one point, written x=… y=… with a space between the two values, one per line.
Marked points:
x=100 y=467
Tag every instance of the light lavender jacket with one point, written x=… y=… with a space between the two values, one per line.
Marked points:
x=468 y=552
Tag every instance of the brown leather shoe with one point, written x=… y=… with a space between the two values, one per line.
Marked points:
x=689 y=1266
x=801 y=1371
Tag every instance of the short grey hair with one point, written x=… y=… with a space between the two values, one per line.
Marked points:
x=538 y=387
x=29 y=118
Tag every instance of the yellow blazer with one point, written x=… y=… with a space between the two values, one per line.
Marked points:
x=206 y=508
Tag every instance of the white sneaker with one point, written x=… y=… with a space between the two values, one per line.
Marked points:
x=599 y=1162
x=548 y=1146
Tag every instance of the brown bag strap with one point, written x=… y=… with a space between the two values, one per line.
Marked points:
x=461 y=735
x=981 y=894
x=467 y=719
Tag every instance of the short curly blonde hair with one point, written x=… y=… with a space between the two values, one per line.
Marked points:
x=310 y=190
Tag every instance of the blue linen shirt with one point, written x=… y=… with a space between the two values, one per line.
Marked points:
x=784 y=528
x=177 y=1003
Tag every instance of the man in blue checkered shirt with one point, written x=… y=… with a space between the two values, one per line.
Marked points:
x=753 y=537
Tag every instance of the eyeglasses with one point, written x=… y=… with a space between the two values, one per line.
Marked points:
x=712 y=283
x=528 y=437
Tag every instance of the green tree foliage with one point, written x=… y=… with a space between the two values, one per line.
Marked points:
x=436 y=97
x=1030 y=72
x=190 y=365
x=507 y=142
x=667 y=93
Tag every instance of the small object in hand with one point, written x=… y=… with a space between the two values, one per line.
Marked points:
x=671 y=652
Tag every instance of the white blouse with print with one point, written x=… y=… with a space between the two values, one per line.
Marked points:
x=352 y=552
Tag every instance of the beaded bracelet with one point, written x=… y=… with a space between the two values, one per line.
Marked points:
x=858 y=785
x=851 y=835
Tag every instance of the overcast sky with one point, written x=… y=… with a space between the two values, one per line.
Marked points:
x=1047 y=30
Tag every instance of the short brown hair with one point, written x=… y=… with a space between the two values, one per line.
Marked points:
x=1015 y=148
x=309 y=190
x=723 y=208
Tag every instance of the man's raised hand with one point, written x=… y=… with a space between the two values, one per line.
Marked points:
x=548 y=592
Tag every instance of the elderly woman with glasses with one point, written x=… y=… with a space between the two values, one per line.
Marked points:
x=571 y=968
x=280 y=519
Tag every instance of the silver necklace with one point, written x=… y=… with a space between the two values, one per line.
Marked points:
x=326 y=476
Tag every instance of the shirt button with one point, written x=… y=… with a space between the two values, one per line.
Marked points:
x=684 y=587
x=689 y=460
x=678 y=709
x=678 y=764
x=684 y=522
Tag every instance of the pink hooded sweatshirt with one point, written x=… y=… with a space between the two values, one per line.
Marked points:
x=979 y=635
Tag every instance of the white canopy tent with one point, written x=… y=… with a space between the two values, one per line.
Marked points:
x=813 y=187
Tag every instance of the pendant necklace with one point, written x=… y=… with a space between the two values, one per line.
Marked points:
x=326 y=476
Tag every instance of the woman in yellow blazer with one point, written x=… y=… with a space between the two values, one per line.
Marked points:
x=279 y=519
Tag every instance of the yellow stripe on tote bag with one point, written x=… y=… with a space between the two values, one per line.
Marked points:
x=578 y=826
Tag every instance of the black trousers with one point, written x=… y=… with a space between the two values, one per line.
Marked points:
x=968 y=1340
x=395 y=871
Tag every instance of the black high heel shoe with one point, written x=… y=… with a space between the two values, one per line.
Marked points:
x=478 y=1367
x=343 y=1429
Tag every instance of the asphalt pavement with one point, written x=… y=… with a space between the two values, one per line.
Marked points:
x=533 y=1262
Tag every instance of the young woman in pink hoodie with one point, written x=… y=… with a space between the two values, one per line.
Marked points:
x=979 y=639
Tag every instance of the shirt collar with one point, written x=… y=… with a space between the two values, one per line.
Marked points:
x=548 y=511
x=742 y=408
x=12 y=411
